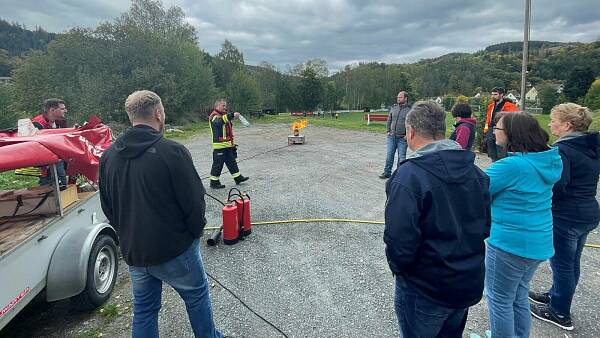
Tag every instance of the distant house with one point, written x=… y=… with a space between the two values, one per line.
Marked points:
x=513 y=96
x=4 y=80
x=560 y=88
x=532 y=94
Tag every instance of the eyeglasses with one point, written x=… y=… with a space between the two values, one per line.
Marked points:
x=496 y=128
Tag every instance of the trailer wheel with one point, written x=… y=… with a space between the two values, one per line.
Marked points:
x=101 y=274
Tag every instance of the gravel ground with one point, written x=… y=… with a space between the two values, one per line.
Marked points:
x=308 y=279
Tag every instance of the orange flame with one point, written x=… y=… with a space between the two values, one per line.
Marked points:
x=301 y=124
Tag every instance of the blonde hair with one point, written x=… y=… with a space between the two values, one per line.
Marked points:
x=579 y=117
x=140 y=105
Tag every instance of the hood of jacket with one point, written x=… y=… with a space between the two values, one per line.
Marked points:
x=136 y=141
x=544 y=163
x=587 y=144
x=444 y=159
x=470 y=120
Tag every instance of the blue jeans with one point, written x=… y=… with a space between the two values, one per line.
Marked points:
x=185 y=273
x=394 y=144
x=419 y=317
x=62 y=175
x=507 y=279
x=568 y=245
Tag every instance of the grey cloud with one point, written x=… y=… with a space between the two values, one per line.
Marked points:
x=340 y=31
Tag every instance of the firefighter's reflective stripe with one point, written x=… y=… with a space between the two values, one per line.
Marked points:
x=214 y=178
x=236 y=174
x=220 y=138
x=29 y=171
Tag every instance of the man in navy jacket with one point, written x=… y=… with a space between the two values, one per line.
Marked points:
x=437 y=217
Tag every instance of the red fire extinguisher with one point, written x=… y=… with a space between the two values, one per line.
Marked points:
x=231 y=227
x=243 y=208
x=236 y=219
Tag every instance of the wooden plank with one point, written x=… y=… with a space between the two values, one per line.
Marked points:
x=17 y=230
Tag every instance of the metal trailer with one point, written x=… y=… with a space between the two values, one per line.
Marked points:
x=69 y=255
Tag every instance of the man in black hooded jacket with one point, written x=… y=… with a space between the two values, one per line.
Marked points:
x=437 y=216
x=151 y=193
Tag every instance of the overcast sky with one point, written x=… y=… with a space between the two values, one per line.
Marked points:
x=287 y=32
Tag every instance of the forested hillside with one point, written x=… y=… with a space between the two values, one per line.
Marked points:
x=16 y=41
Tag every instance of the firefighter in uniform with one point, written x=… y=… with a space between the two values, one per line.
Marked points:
x=224 y=148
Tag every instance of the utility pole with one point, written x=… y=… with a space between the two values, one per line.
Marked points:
x=525 y=52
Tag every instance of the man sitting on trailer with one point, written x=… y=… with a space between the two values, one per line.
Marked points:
x=53 y=116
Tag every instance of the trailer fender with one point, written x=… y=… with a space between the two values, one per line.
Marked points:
x=68 y=266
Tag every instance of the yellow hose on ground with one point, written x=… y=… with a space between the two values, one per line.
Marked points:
x=344 y=220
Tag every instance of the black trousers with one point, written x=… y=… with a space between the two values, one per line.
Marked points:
x=224 y=156
x=494 y=151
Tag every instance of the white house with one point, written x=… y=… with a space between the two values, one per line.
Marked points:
x=532 y=94
x=512 y=97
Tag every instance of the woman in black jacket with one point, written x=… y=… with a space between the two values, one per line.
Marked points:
x=575 y=210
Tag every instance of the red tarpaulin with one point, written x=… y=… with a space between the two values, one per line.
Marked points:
x=80 y=147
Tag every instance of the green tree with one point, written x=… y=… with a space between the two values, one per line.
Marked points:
x=592 y=98
x=243 y=92
x=94 y=70
x=548 y=97
x=267 y=77
x=8 y=115
x=310 y=89
x=578 y=83
x=331 y=95
x=228 y=61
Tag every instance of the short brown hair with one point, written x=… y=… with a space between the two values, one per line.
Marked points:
x=579 y=117
x=462 y=110
x=524 y=133
x=141 y=104
x=52 y=103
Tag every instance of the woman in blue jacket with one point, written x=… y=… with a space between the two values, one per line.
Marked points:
x=521 y=233
x=574 y=209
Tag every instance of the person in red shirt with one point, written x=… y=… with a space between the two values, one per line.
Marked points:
x=464 y=128
x=52 y=117
x=498 y=104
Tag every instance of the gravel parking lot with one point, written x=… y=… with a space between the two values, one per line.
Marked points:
x=308 y=279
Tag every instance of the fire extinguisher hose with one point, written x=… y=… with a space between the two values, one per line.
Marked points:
x=341 y=220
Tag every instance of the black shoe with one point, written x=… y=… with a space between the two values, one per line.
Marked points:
x=240 y=179
x=384 y=176
x=543 y=312
x=539 y=297
x=216 y=184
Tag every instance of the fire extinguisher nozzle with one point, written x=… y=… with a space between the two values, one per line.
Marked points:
x=214 y=238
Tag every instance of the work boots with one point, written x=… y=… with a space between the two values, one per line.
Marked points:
x=240 y=179
x=216 y=184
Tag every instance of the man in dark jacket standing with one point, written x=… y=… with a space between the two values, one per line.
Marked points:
x=151 y=193
x=396 y=133
x=437 y=216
